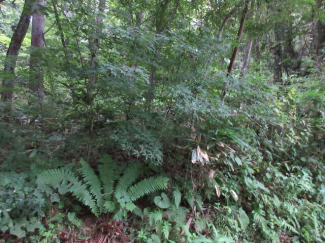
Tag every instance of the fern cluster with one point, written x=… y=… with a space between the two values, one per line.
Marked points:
x=106 y=192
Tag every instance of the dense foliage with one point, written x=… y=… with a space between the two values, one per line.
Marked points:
x=162 y=121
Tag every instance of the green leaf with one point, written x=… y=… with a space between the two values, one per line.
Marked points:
x=71 y=216
x=33 y=154
x=276 y=201
x=166 y=227
x=130 y=206
x=63 y=188
x=177 y=196
x=17 y=231
x=154 y=239
x=34 y=224
x=243 y=219
x=238 y=161
x=162 y=201
x=109 y=206
x=147 y=186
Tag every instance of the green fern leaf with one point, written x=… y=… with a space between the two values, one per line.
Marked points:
x=107 y=176
x=92 y=180
x=147 y=186
x=80 y=190
x=177 y=215
x=137 y=211
x=76 y=187
x=131 y=175
x=54 y=176
x=155 y=216
x=130 y=206
x=166 y=227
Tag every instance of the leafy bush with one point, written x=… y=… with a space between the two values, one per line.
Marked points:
x=21 y=205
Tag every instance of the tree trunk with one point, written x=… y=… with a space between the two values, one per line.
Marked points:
x=12 y=53
x=93 y=48
x=224 y=21
x=234 y=53
x=247 y=58
x=320 y=35
x=162 y=22
x=58 y=23
x=36 y=82
x=277 y=77
x=239 y=35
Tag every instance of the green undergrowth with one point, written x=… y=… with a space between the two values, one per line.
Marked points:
x=249 y=171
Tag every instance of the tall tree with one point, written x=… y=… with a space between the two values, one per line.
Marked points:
x=247 y=58
x=36 y=82
x=235 y=51
x=320 y=34
x=164 y=16
x=59 y=25
x=94 y=39
x=277 y=50
x=239 y=35
x=13 y=50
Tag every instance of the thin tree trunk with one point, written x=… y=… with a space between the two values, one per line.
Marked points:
x=234 y=53
x=152 y=82
x=247 y=58
x=239 y=35
x=58 y=22
x=277 y=77
x=38 y=25
x=93 y=48
x=224 y=21
x=161 y=24
x=320 y=36
x=12 y=53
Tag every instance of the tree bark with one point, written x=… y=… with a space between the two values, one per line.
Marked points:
x=12 y=53
x=58 y=23
x=226 y=18
x=36 y=81
x=247 y=58
x=234 y=53
x=277 y=50
x=162 y=23
x=93 y=48
x=320 y=35
x=239 y=35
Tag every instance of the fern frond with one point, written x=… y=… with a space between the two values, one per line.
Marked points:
x=189 y=196
x=137 y=211
x=131 y=175
x=166 y=228
x=76 y=187
x=155 y=216
x=80 y=190
x=55 y=176
x=287 y=226
x=92 y=180
x=147 y=186
x=177 y=215
x=107 y=176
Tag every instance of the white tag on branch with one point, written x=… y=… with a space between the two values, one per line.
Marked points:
x=198 y=155
x=234 y=195
x=217 y=190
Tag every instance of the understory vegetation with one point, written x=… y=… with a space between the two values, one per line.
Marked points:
x=136 y=131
